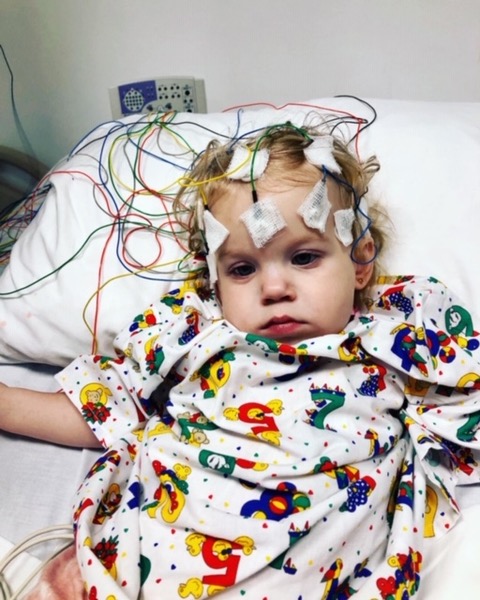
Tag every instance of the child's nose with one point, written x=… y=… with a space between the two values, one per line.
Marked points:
x=277 y=286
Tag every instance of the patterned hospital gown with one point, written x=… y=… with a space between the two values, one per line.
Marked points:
x=308 y=472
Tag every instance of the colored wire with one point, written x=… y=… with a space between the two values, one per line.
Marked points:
x=267 y=132
x=343 y=117
x=132 y=204
x=93 y=329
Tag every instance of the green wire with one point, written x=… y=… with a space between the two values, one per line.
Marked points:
x=56 y=270
x=287 y=124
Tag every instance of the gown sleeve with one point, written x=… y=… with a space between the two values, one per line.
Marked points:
x=115 y=394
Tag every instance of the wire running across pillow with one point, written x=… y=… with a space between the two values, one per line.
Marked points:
x=105 y=243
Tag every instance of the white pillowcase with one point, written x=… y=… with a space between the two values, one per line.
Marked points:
x=429 y=182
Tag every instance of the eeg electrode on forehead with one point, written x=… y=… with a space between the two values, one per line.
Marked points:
x=263 y=219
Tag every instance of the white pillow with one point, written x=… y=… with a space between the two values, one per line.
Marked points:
x=429 y=181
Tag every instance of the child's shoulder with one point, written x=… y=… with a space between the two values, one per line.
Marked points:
x=179 y=314
x=405 y=295
x=395 y=287
x=191 y=294
x=419 y=298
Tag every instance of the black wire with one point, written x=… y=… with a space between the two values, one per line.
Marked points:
x=368 y=105
x=18 y=123
x=357 y=209
x=6 y=211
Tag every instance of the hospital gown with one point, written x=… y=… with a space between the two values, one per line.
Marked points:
x=308 y=471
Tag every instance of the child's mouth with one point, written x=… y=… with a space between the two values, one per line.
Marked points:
x=282 y=326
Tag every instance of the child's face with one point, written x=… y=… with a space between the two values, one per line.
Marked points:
x=301 y=284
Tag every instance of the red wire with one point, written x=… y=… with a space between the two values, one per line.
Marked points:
x=115 y=216
x=162 y=197
x=359 y=120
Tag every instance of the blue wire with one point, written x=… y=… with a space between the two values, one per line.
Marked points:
x=357 y=208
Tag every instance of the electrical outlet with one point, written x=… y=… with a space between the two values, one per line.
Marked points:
x=182 y=94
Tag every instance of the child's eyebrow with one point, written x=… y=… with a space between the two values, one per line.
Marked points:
x=312 y=236
x=227 y=253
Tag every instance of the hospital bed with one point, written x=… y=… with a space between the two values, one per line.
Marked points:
x=104 y=244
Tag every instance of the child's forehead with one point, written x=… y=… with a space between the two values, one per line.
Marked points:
x=294 y=184
x=290 y=210
x=278 y=176
x=287 y=199
x=281 y=175
x=239 y=243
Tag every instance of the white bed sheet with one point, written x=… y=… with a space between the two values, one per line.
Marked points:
x=38 y=479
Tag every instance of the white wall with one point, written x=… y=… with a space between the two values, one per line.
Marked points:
x=65 y=54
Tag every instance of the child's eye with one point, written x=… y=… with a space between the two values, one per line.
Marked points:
x=305 y=258
x=241 y=270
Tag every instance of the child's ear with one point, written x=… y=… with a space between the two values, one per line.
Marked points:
x=365 y=255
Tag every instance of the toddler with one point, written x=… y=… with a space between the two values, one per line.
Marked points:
x=292 y=425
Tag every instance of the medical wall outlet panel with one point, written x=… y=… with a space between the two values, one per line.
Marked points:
x=182 y=94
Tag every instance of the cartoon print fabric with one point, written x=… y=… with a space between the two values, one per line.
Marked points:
x=300 y=472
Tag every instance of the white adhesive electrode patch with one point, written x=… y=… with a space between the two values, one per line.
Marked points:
x=320 y=153
x=344 y=220
x=316 y=207
x=215 y=235
x=263 y=220
x=246 y=165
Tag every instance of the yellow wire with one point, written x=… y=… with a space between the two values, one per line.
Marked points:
x=138 y=135
x=186 y=182
x=121 y=276
x=197 y=183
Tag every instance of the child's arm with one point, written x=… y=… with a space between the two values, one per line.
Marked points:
x=45 y=416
